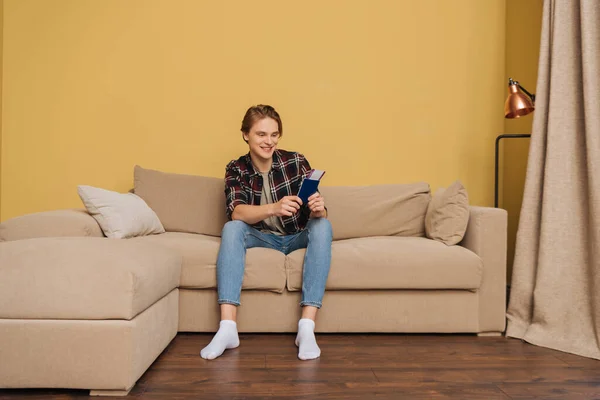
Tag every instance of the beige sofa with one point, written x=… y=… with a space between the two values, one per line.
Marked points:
x=78 y=310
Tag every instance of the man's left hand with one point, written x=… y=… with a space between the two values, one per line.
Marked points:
x=316 y=204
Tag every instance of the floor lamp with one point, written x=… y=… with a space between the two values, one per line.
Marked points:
x=517 y=105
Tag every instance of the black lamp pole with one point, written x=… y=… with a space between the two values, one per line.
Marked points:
x=505 y=136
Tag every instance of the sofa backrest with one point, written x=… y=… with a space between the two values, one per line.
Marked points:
x=196 y=204
x=377 y=210
x=183 y=203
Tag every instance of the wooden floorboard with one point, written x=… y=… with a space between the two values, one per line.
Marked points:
x=360 y=366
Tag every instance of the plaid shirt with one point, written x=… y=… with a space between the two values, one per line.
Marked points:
x=243 y=185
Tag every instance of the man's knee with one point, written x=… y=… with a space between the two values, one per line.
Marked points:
x=233 y=228
x=321 y=227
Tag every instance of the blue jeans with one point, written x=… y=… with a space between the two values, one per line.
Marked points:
x=237 y=236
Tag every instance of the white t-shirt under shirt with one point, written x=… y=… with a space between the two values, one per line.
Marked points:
x=273 y=223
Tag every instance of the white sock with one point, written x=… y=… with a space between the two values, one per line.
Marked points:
x=225 y=338
x=306 y=341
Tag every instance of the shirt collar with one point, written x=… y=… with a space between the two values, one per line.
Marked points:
x=275 y=165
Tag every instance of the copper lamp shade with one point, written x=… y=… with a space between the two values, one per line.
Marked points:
x=517 y=103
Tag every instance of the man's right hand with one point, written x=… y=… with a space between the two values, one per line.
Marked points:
x=287 y=206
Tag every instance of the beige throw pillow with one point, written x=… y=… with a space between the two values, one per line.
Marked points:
x=448 y=214
x=120 y=215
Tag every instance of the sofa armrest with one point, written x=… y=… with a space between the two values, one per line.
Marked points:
x=50 y=223
x=486 y=236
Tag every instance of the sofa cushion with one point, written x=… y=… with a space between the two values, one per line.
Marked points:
x=393 y=263
x=377 y=210
x=265 y=268
x=448 y=214
x=183 y=203
x=49 y=224
x=83 y=278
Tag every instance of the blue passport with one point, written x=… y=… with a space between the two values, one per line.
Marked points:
x=310 y=185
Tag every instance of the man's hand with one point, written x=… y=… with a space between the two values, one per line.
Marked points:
x=316 y=204
x=287 y=206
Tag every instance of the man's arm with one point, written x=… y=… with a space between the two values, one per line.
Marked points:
x=235 y=195
x=287 y=206
x=252 y=214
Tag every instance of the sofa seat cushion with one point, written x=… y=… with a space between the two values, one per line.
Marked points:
x=265 y=268
x=386 y=262
x=83 y=278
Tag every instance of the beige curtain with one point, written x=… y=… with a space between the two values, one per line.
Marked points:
x=555 y=288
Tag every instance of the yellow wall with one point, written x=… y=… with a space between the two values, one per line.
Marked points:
x=373 y=92
x=523 y=31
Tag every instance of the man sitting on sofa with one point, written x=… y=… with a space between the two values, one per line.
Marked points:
x=261 y=190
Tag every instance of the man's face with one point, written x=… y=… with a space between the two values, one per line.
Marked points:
x=263 y=137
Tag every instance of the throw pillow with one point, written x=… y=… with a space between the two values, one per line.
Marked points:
x=120 y=215
x=448 y=214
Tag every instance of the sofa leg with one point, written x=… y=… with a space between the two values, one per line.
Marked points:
x=489 y=334
x=110 y=392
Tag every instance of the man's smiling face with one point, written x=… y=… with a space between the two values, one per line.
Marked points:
x=263 y=138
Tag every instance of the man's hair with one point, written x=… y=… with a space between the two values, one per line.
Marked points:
x=258 y=112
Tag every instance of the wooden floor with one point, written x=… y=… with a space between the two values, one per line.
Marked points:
x=357 y=366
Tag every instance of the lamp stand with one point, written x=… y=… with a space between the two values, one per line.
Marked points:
x=505 y=136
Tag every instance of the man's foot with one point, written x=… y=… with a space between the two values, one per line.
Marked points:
x=225 y=338
x=306 y=341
